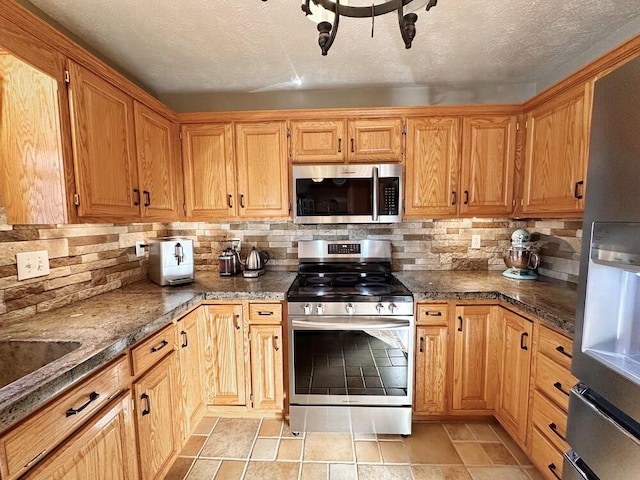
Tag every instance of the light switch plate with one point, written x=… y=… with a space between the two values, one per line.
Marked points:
x=32 y=264
x=475 y=241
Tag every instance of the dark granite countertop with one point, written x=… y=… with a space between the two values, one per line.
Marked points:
x=553 y=301
x=106 y=325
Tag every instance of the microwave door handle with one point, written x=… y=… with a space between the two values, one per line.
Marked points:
x=376 y=188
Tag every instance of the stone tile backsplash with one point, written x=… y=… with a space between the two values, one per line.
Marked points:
x=87 y=260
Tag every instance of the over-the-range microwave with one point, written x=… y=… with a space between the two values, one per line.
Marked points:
x=347 y=193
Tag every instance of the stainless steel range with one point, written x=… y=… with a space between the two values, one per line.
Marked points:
x=351 y=335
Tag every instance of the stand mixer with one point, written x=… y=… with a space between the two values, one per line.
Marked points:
x=519 y=257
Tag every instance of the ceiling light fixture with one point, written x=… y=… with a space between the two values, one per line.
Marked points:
x=321 y=11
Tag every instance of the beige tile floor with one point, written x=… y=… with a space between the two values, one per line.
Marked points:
x=250 y=449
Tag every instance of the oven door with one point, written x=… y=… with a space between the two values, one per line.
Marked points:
x=354 y=360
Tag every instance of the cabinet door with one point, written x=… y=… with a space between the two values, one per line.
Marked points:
x=104 y=449
x=374 y=140
x=267 y=367
x=476 y=347
x=488 y=157
x=209 y=171
x=103 y=148
x=431 y=370
x=432 y=167
x=224 y=355
x=261 y=152
x=557 y=155
x=513 y=398
x=156 y=147
x=157 y=418
x=318 y=141
x=190 y=331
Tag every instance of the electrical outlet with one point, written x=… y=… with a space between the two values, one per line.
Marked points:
x=140 y=248
x=32 y=264
x=475 y=241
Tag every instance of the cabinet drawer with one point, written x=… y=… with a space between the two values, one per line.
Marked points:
x=265 y=313
x=147 y=353
x=555 y=346
x=550 y=420
x=432 y=314
x=554 y=381
x=545 y=456
x=31 y=439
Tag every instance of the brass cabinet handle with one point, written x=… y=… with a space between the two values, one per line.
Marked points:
x=454 y=198
x=185 y=339
x=558 y=386
x=137 y=196
x=554 y=428
x=523 y=345
x=160 y=346
x=275 y=343
x=145 y=398
x=460 y=320
x=561 y=349
x=577 y=190
x=93 y=396
x=421 y=349
x=147 y=198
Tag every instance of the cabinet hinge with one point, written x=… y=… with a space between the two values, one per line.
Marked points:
x=513 y=203
x=67 y=76
x=251 y=397
x=404 y=130
x=518 y=126
x=288 y=132
x=76 y=199
x=180 y=135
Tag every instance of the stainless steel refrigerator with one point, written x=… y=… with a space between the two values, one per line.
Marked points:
x=604 y=408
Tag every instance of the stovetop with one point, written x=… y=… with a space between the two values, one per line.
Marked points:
x=357 y=282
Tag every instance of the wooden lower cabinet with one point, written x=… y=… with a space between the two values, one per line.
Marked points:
x=190 y=334
x=512 y=407
x=431 y=370
x=102 y=450
x=157 y=418
x=224 y=355
x=475 y=358
x=267 y=383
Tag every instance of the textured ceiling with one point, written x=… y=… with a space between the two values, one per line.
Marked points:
x=188 y=46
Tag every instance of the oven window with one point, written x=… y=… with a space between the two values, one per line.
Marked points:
x=334 y=196
x=351 y=362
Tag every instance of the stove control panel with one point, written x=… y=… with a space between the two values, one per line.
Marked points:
x=351 y=308
x=343 y=248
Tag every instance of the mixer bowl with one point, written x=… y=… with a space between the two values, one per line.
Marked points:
x=521 y=258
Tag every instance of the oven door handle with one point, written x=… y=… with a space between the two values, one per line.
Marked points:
x=360 y=324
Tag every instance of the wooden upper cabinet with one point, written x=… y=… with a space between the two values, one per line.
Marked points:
x=209 y=171
x=321 y=141
x=157 y=154
x=261 y=158
x=557 y=155
x=103 y=131
x=432 y=167
x=375 y=140
x=488 y=157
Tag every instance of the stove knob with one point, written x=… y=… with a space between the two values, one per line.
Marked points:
x=392 y=307
x=320 y=309
x=350 y=307
x=307 y=308
x=379 y=308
